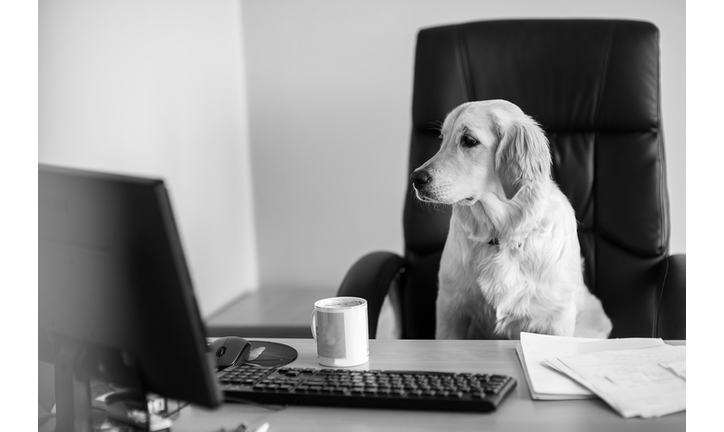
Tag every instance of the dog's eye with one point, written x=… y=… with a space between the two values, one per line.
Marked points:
x=469 y=141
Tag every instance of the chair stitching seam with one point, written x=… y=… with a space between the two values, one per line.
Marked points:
x=464 y=62
x=604 y=73
x=663 y=198
x=601 y=90
x=657 y=306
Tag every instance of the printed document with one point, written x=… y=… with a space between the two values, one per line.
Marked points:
x=644 y=383
x=545 y=383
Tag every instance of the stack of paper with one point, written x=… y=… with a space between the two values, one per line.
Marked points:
x=637 y=377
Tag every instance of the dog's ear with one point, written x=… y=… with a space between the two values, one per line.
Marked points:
x=523 y=157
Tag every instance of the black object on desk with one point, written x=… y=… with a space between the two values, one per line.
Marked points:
x=229 y=350
x=115 y=299
x=232 y=350
x=414 y=390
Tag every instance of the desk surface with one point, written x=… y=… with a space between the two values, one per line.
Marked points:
x=517 y=413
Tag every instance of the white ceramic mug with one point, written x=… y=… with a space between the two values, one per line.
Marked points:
x=339 y=325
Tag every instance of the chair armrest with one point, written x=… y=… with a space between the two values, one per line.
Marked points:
x=370 y=277
x=671 y=310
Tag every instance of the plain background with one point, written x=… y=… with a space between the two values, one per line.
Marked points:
x=281 y=126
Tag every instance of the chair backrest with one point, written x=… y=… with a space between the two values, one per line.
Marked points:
x=593 y=85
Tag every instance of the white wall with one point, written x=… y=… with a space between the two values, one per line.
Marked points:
x=330 y=93
x=156 y=88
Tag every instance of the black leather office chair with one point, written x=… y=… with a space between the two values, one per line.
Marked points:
x=594 y=87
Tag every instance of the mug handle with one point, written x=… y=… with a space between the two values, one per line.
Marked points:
x=313 y=324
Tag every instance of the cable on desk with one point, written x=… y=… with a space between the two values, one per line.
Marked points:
x=179 y=406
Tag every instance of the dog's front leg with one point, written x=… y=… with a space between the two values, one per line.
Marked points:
x=452 y=322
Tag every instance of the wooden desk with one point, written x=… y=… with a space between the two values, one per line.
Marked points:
x=517 y=413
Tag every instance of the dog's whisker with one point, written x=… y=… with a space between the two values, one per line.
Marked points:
x=435 y=126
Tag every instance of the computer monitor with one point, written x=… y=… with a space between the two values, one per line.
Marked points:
x=115 y=297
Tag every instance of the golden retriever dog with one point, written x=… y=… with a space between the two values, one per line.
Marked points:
x=512 y=261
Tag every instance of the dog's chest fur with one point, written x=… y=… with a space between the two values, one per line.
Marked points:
x=498 y=277
x=506 y=285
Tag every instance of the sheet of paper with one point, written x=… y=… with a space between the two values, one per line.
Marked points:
x=633 y=382
x=678 y=367
x=569 y=389
x=546 y=383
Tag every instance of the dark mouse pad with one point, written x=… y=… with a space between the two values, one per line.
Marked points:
x=270 y=354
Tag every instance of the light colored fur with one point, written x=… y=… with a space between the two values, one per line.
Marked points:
x=501 y=188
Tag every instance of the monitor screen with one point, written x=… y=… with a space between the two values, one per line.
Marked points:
x=115 y=298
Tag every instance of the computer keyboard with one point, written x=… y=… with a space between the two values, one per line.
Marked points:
x=367 y=389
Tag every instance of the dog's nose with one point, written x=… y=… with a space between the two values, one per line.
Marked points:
x=420 y=178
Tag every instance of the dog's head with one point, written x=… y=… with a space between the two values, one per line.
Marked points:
x=488 y=147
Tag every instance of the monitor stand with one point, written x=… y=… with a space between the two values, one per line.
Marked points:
x=75 y=368
x=72 y=392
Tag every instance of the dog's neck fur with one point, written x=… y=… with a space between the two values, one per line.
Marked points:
x=509 y=221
